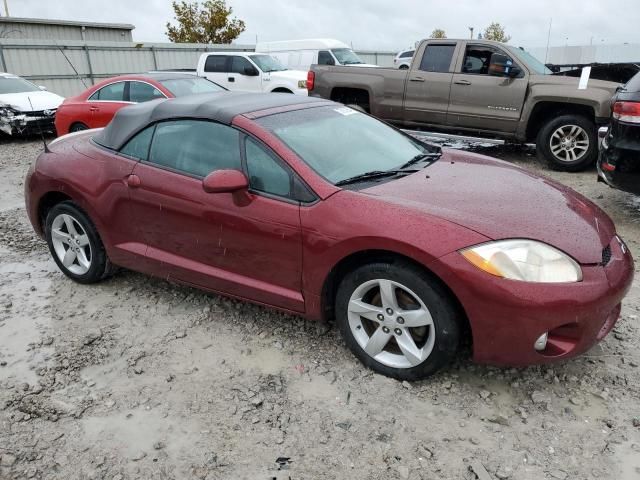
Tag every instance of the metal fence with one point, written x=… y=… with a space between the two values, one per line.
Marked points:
x=69 y=67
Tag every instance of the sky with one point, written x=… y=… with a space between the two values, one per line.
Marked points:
x=373 y=24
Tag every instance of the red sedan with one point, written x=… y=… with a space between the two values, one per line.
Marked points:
x=314 y=208
x=96 y=106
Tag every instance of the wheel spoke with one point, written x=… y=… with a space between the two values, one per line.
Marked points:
x=68 y=221
x=572 y=154
x=573 y=131
x=388 y=294
x=83 y=240
x=60 y=236
x=556 y=150
x=409 y=348
x=416 y=318
x=69 y=258
x=82 y=259
x=366 y=310
x=377 y=342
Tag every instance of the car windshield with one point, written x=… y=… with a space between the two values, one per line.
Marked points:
x=267 y=63
x=16 y=85
x=533 y=63
x=340 y=143
x=346 y=56
x=181 y=87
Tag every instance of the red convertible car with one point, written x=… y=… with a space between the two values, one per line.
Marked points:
x=314 y=208
x=96 y=106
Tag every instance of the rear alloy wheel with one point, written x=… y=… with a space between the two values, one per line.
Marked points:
x=78 y=127
x=75 y=244
x=568 y=143
x=397 y=320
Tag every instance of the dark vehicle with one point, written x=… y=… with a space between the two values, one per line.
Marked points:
x=619 y=163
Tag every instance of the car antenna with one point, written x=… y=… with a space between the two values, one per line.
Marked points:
x=44 y=142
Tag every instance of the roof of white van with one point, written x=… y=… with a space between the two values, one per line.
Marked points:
x=305 y=44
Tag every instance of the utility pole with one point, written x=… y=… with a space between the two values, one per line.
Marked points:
x=6 y=8
x=470 y=30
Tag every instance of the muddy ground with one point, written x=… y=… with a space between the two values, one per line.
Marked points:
x=136 y=378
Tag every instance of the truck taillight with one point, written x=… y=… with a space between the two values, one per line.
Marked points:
x=311 y=78
x=627 y=111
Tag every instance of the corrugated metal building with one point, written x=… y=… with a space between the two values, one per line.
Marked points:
x=38 y=28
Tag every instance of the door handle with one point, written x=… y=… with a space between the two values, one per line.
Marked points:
x=231 y=79
x=133 y=181
x=94 y=109
x=462 y=82
x=416 y=79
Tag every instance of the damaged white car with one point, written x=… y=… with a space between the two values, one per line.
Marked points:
x=25 y=107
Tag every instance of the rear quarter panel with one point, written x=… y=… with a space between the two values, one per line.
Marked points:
x=385 y=86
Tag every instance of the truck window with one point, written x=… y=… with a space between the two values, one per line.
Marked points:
x=215 y=63
x=477 y=59
x=238 y=65
x=325 y=58
x=437 y=58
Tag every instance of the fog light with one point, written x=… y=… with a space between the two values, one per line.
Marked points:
x=541 y=342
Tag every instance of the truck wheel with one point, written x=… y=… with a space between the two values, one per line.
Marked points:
x=568 y=143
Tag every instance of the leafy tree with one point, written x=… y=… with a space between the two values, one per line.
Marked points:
x=438 y=33
x=209 y=24
x=496 y=32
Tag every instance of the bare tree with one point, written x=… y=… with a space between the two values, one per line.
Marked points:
x=496 y=32
x=438 y=33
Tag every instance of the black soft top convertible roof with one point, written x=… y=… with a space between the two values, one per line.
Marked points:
x=219 y=106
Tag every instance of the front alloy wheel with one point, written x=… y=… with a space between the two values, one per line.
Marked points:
x=391 y=324
x=398 y=319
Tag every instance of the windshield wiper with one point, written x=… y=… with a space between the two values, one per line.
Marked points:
x=419 y=158
x=373 y=174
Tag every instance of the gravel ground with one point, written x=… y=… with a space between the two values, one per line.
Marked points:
x=136 y=378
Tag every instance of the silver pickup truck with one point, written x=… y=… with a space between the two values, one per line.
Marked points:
x=480 y=87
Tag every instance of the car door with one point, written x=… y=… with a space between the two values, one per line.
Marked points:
x=428 y=84
x=483 y=101
x=105 y=102
x=243 y=75
x=216 y=69
x=239 y=244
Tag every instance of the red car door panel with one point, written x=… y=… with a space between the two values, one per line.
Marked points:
x=239 y=244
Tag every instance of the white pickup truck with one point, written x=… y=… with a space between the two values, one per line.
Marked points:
x=251 y=72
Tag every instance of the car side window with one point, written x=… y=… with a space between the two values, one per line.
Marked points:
x=407 y=54
x=476 y=60
x=216 y=63
x=325 y=58
x=138 y=146
x=113 y=92
x=437 y=58
x=195 y=147
x=143 y=92
x=239 y=64
x=265 y=173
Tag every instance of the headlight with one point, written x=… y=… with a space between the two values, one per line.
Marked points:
x=6 y=111
x=525 y=260
x=302 y=84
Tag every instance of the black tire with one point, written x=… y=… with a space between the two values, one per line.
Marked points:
x=100 y=266
x=556 y=162
x=446 y=317
x=282 y=90
x=403 y=67
x=78 y=127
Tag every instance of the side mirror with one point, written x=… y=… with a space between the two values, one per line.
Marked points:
x=501 y=66
x=251 y=72
x=225 y=181
x=331 y=61
x=42 y=87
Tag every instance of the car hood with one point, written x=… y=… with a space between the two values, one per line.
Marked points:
x=40 y=100
x=500 y=201
x=289 y=75
x=572 y=82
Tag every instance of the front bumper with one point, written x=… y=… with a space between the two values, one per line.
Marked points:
x=25 y=123
x=507 y=317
